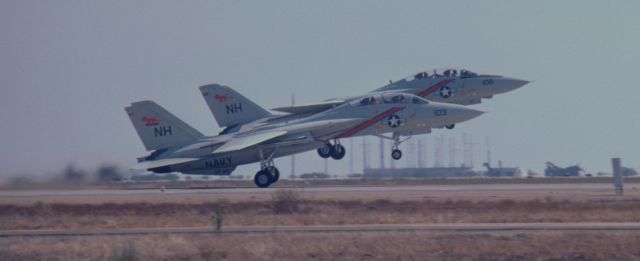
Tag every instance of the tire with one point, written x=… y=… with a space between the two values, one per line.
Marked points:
x=450 y=126
x=325 y=151
x=274 y=174
x=262 y=179
x=338 y=152
x=396 y=154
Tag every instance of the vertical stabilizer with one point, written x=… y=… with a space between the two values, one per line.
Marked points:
x=158 y=128
x=230 y=107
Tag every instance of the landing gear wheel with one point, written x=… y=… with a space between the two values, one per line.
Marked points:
x=450 y=126
x=274 y=174
x=338 y=152
x=396 y=154
x=325 y=151
x=262 y=179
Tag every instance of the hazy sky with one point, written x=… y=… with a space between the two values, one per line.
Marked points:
x=67 y=69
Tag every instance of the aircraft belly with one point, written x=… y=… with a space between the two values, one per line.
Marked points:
x=225 y=163
x=210 y=166
x=376 y=129
x=214 y=172
x=298 y=148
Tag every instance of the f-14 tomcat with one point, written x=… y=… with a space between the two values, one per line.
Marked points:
x=457 y=86
x=252 y=134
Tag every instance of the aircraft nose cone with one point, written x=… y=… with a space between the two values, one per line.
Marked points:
x=465 y=114
x=452 y=114
x=507 y=84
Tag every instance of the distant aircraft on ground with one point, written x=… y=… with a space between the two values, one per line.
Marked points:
x=252 y=134
x=457 y=86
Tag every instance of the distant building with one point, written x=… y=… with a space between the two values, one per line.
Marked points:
x=531 y=174
x=315 y=175
x=436 y=172
x=502 y=171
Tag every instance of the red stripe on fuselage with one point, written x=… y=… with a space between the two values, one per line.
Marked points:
x=433 y=88
x=370 y=122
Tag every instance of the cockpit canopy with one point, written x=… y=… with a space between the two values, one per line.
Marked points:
x=388 y=98
x=446 y=72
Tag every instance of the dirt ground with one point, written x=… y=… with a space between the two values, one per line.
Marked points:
x=473 y=192
x=290 y=207
x=333 y=205
x=330 y=246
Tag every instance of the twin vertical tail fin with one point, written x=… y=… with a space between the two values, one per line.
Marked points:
x=158 y=128
x=229 y=107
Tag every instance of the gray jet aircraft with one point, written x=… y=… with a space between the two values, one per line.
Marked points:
x=252 y=134
x=450 y=85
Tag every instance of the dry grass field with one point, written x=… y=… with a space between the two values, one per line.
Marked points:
x=288 y=207
x=382 y=205
x=329 y=246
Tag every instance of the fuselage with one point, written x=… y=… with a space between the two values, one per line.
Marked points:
x=457 y=86
x=376 y=114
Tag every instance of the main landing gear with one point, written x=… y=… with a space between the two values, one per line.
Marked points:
x=265 y=177
x=335 y=151
x=450 y=126
x=268 y=173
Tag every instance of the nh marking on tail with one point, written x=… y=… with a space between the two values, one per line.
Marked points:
x=162 y=131
x=233 y=108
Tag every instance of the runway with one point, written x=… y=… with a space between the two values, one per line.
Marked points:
x=444 y=228
x=432 y=192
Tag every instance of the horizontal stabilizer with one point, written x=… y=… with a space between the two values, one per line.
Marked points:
x=151 y=164
x=309 y=108
x=242 y=142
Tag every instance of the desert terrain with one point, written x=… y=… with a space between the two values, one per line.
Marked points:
x=561 y=221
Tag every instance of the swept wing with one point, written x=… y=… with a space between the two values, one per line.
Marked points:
x=309 y=108
x=244 y=141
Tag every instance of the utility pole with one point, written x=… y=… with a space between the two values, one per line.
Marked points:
x=326 y=166
x=488 y=151
x=438 y=148
x=381 y=153
x=467 y=150
x=351 y=156
x=293 y=157
x=364 y=154
x=452 y=151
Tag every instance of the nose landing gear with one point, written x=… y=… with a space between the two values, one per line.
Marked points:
x=396 y=153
